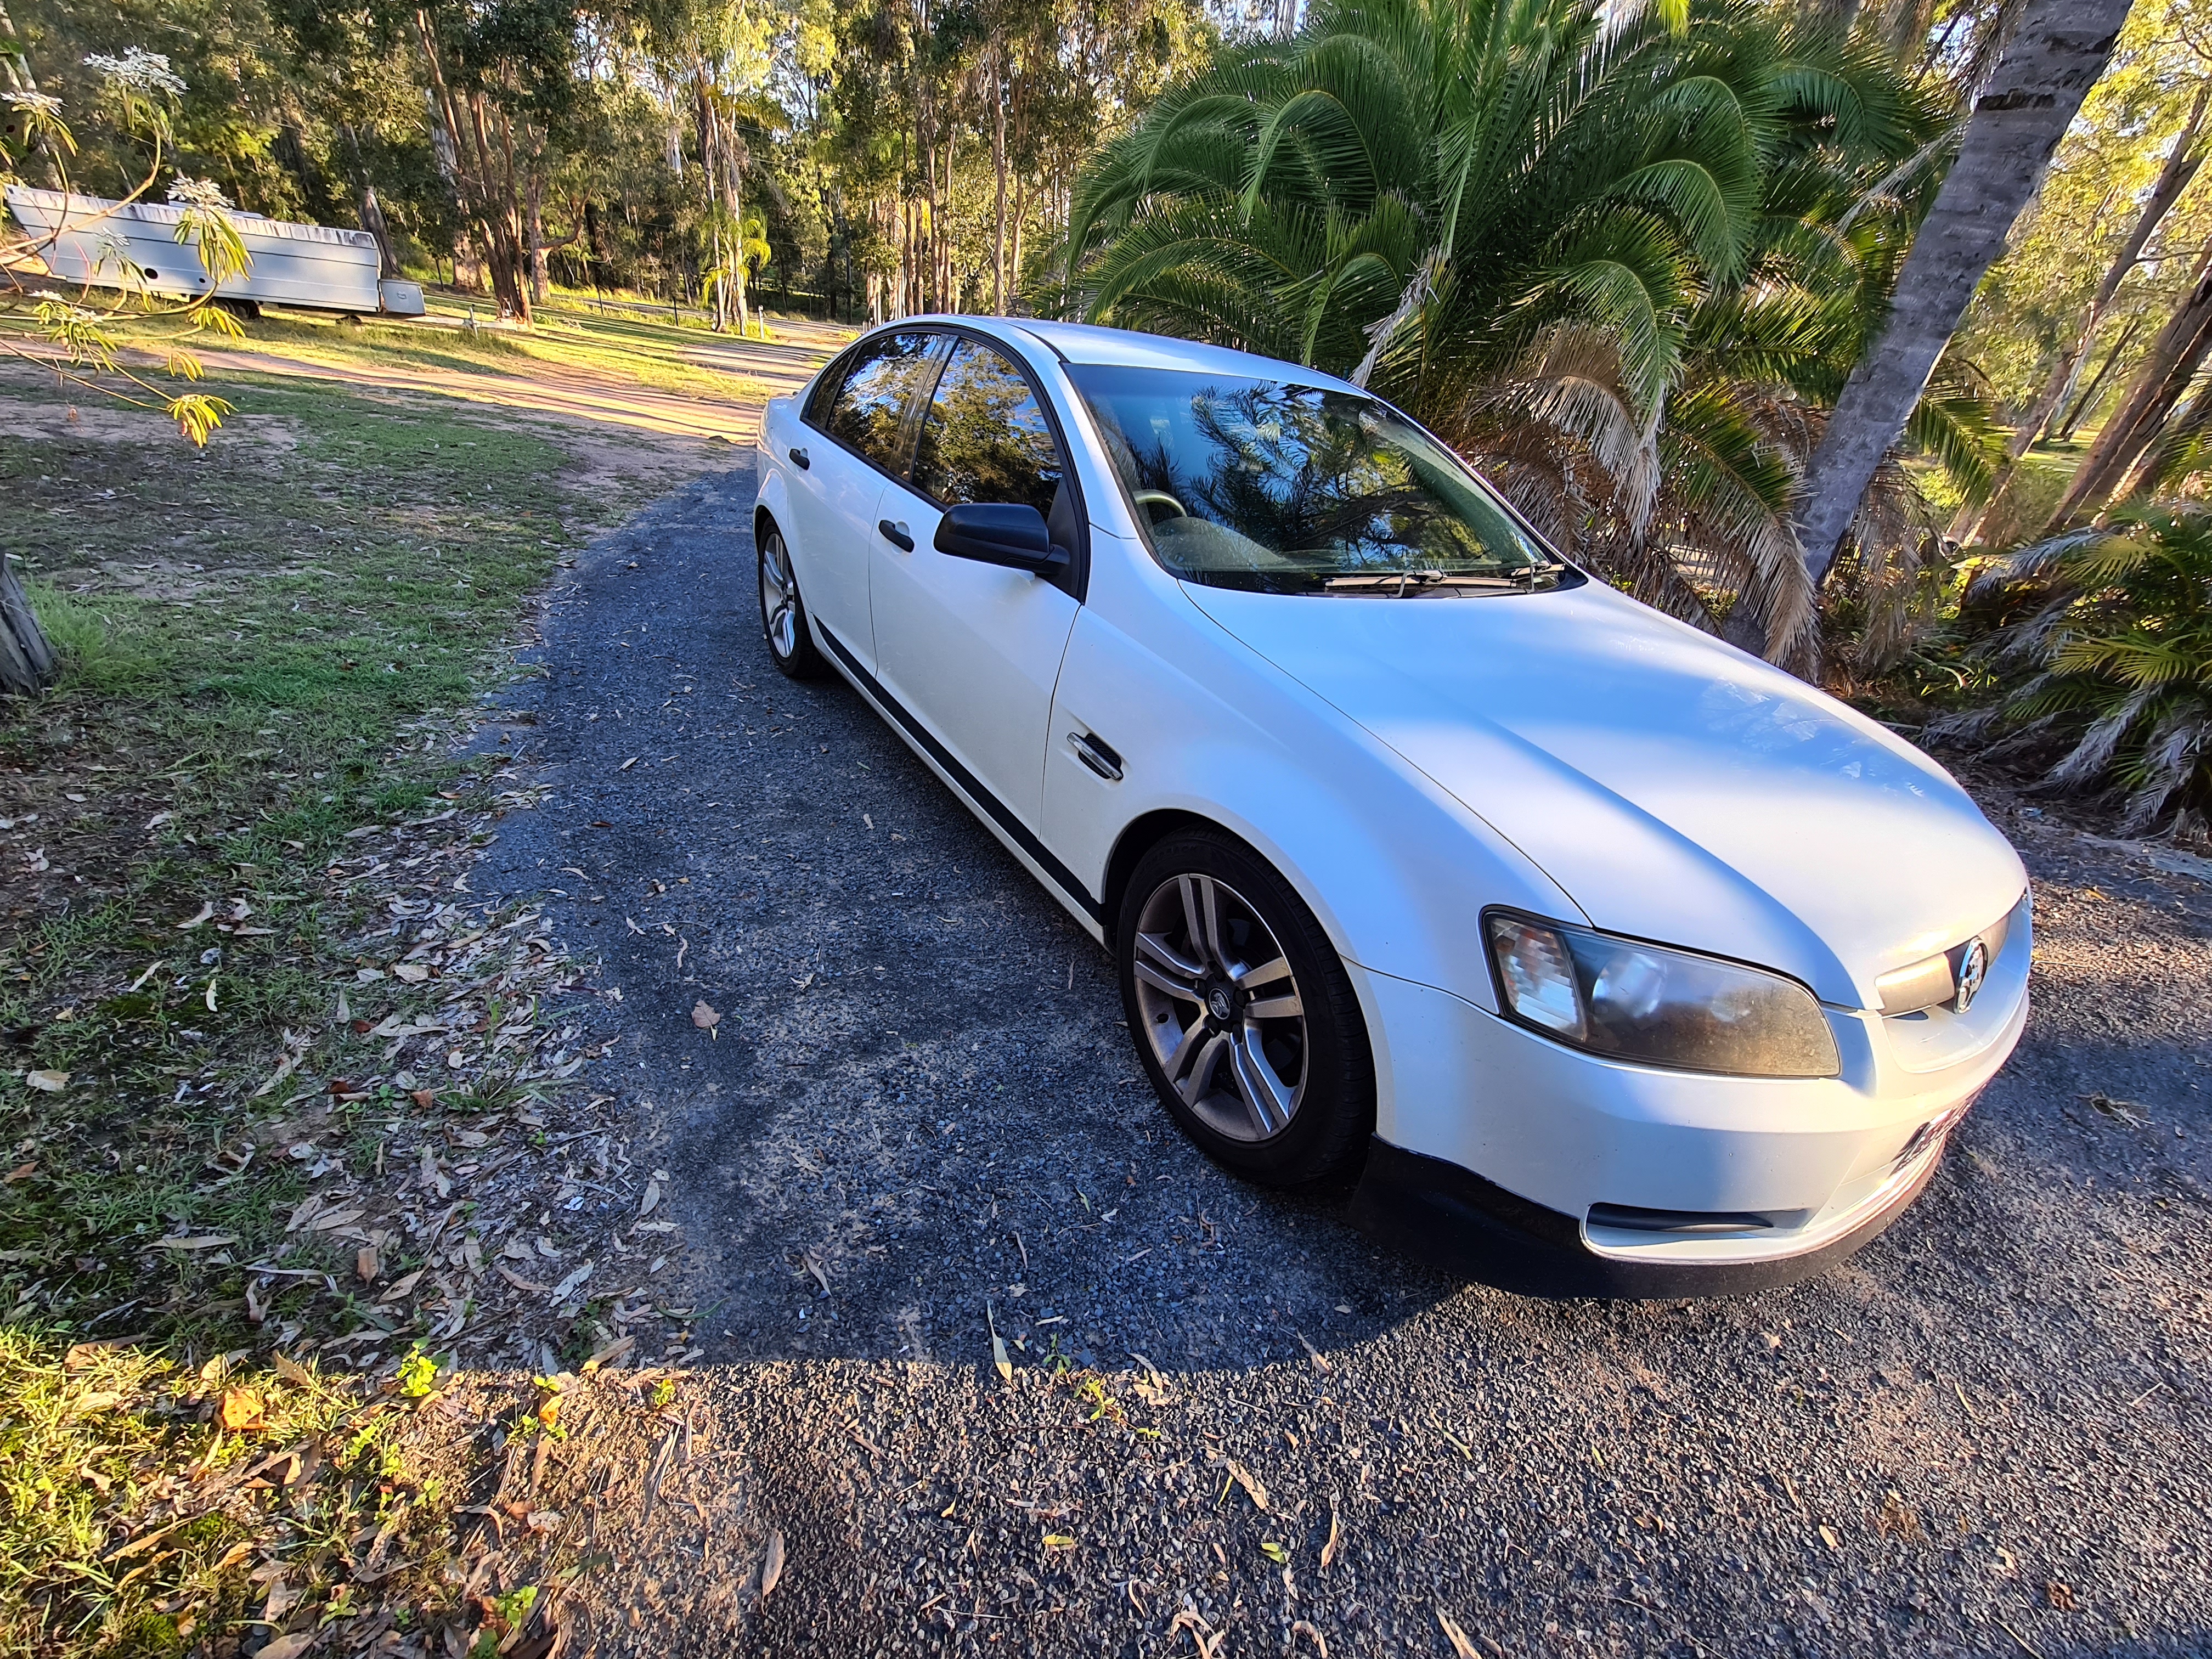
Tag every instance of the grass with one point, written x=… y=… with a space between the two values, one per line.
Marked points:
x=619 y=348
x=265 y=646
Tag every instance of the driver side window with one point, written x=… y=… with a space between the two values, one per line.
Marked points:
x=985 y=438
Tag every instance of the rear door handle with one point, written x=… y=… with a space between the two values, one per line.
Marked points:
x=895 y=535
x=1098 y=756
x=799 y=459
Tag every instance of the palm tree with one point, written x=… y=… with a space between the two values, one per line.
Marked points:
x=1621 y=257
x=2114 y=627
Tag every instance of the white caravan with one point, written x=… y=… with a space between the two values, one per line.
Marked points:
x=90 y=240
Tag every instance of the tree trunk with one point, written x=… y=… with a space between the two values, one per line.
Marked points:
x=476 y=175
x=2182 y=162
x=2064 y=430
x=27 y=658
x=538 y=281
x=2171 y=363
x=2058 y=51
x=19 y=79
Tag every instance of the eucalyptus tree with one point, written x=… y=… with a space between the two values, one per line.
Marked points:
x=1621 y=258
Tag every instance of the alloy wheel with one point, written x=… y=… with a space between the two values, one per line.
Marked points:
x=1220 y=1007
x=778 y=597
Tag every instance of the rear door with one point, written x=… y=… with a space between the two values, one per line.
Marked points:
x=856 y=435
x=973 y=650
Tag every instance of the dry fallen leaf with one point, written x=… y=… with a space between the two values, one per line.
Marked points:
x=240 y=1410
x=200 y=1242
x=409 y=973
x=367 y=1264
x=1058 y=1541
x=614 y=1351
x=1329 y=1550
x=1244 y=1477
x=651 y=1199
x=289 y=1647
x=1207 y=1640
x=51 y=1083
x=291 y=1369
x=1460 y=1646
x=705 y=1017
x=772 y=1564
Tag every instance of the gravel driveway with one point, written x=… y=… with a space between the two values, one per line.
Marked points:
x=1233 y=1426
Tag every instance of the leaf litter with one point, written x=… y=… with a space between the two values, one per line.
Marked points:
x=434 y=1114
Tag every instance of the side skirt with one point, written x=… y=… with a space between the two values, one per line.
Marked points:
x=997 y=817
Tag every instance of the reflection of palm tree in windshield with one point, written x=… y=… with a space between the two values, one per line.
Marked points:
x=1318 y=486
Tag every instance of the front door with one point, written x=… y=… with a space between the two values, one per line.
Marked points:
x=852 y=442
x=973 y=650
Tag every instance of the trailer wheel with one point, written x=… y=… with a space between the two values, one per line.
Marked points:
x=246 y=311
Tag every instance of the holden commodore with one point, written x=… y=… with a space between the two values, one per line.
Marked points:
x=1613 y=960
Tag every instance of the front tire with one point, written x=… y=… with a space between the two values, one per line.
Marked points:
x=1242 y=1015
x=783 y=613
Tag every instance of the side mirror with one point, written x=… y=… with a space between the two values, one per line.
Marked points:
x=1001 y=534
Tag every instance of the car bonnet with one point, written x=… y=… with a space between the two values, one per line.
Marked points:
x=1677 y=789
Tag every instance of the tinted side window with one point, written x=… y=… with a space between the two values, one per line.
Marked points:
x=985 y=438
x=866 y=410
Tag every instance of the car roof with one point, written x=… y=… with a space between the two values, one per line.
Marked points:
x=1088 y=343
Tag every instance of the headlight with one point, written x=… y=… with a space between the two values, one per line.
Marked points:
x=1641 y=1002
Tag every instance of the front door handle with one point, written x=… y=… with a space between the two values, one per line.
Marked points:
x=798 y=459
x=895 y=535
x=1099 y=756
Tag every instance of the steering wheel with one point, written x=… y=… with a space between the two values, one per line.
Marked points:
x=1147 y=498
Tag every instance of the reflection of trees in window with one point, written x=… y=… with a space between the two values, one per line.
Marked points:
x=986 y=438
x=868 y=407
x=1298 y=476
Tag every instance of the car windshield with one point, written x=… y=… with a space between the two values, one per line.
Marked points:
x=1287 y=489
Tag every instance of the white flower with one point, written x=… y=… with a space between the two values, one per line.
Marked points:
x=138 y=70
x=38 y=102
x=196 y=193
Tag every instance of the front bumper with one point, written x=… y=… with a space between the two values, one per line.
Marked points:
x=1451 y=1217
x=1551 y=1171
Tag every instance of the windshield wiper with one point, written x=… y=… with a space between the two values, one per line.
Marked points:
x=1400 y=583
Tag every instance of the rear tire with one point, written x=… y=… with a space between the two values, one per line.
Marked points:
x=783 y=613
x=1242 y=1015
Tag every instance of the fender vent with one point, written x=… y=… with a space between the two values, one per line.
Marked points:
x=1629 y=1217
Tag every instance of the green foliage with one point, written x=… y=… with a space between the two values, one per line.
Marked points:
x=418 y=1375
x=2112 y=629
x=79 y=336
x=1622 y=260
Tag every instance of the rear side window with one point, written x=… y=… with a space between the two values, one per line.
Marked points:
x=985 y=438
x=868 y=406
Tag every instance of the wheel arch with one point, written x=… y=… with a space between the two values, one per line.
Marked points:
x=1138 y=837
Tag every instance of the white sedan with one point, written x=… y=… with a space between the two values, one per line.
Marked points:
x=1611 y=959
